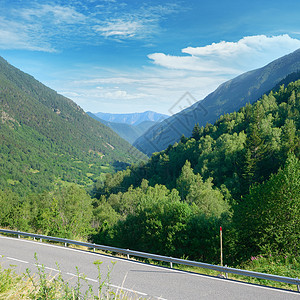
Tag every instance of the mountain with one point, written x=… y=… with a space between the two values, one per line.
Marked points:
x=46 y=138
x=133 y=118
x=126 y=131
x=242 y=172
x=228 y=97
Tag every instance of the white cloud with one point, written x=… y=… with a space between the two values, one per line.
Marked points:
x=109 y=80
x=36 y=28
x=120 y=28
x=199 y=71
x=55 y=13
x=139 y=23
x=230 y=57
x=45 y=27
x=14 y=35
x=190 y=63
x=249 y=45
x=148 y=89
x=120 y=94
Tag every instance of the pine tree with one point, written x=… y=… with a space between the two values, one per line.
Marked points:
x=183 y=139
x=268 y=218
x=196 y=134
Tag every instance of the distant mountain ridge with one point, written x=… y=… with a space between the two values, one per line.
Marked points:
x=126 y=131
x=228 y=97
x=132 y=118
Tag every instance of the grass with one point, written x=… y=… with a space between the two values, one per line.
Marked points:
x=44 y=287
x=12 y=182
x=12 y=286
x=282 y=265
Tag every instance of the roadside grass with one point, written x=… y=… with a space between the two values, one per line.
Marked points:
x=281 y=265
x=42 y=286
x=13 y=286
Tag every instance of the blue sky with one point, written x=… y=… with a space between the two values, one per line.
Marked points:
x=132 y=56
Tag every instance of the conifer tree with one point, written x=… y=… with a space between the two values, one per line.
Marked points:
x=196 y=134
x=268 y=219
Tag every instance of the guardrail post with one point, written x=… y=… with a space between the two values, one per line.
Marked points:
x=298 y=286
x=226 y=274
x=66 y=244
x=171 y=265
x=128 y=257
x=94 y=249
x=41 y=240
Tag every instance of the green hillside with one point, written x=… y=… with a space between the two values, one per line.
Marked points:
x=242 y=173
x=46 y=138
x=228 y=97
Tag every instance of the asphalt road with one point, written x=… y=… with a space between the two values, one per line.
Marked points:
x=137 y=280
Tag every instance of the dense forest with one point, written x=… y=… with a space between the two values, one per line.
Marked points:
x=46 y=139
x=241 y=173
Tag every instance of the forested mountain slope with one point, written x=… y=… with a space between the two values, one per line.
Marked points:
x=227 y=98
x=242 y=173
x=46 y=137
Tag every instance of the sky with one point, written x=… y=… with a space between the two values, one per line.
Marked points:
x=133 y=56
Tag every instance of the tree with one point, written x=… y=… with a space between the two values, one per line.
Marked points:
x=196 y=133
x=104 y=220
x=9 y=202
x=194 y=190
x=183 y=139
x=157 y=224
x=66 y=212
x=185 y=180
x=268 y=218
x=255 y=152
x=289 y=138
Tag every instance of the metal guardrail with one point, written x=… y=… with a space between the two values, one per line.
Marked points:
x=171 y=260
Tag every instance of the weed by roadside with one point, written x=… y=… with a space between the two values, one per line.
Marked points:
x=281 y=265
x=41 y=286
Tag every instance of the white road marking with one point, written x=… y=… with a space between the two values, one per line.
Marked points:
x=51 y=269
x=128 y=290
x=124 y=289
x=232 y=281
x=90 y=279
x=19 y=260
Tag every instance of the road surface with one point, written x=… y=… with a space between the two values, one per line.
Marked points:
x=142 y=280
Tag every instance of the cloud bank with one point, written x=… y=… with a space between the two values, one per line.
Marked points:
x=199 y=70
x=229 y=57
